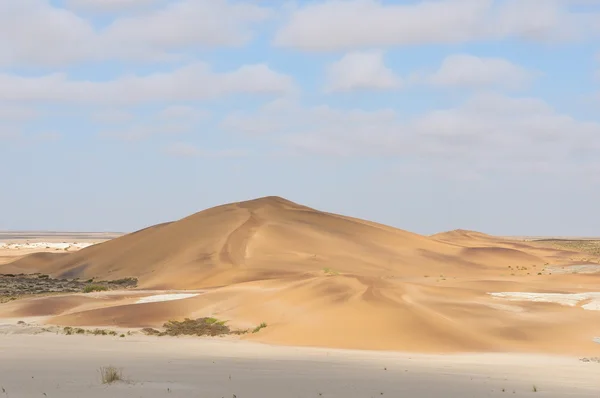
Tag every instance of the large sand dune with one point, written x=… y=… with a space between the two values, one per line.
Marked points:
x=322 y=279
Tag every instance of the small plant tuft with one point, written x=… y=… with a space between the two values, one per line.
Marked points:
x=261 y=326
x=110 y=374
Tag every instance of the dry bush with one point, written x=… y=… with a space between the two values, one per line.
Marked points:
x=198 y=327
x=94 y=288
x=110 y=374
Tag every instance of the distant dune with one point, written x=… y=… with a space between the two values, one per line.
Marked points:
x=323 y=279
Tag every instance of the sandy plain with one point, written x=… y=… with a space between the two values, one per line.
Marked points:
x=68 y=367
x=514 y=312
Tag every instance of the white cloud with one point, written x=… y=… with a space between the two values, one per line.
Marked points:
x=9 y=132
x=17 y=113
x=109 y=5
x=183 y=150
x=361 y=71
x=35 y=33
x=185 y=24
x=336 y=24
x=488 y=132
x=47 y=136
x=112 y=116
x=465 y=70
x=139 y=132
x=192 y=82
x=182 y=112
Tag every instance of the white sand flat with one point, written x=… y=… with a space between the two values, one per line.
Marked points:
x=67 y=367
x=567 y=299
x=165 y=297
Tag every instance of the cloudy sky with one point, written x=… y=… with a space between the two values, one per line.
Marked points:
x=425 y=115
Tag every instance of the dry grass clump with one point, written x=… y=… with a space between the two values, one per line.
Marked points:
x=94 y=288
x=261 y=326
x=198 y=327
x=68 y=330
x=110 y=374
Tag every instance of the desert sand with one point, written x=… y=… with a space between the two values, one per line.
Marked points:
x=68 y=367
x=325 y=280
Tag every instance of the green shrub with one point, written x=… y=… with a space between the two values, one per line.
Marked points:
x=94 y=288
x=261 y=326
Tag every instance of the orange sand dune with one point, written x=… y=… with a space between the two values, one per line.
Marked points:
x=269 y=238
x=327 y=280
x=34 y=261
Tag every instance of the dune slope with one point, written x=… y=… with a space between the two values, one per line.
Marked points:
x=255 y=240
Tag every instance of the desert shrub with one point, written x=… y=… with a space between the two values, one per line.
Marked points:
x=198 y=327
x=110 y=374
x=94 y=288
x=125 y=282
x=330 y=271
x=261 y=326
x=151 y=332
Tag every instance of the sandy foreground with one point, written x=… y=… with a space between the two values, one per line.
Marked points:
x=50 y=365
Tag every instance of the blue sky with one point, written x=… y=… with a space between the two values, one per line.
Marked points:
x=424 y=115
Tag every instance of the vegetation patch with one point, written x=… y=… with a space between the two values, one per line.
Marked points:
x=198 y=327
x=68 y=330
x=16 y=286
x=207 y=326
x=329 y=271
x=95 y=288
x=259 y=327
x=110 y=374
x=590 y=247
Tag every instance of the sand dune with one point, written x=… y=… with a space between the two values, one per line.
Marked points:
x=321 y=279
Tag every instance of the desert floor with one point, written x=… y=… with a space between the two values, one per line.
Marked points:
x=48 y=365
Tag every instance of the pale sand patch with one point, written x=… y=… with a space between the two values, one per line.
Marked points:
x=574 y=269
x=165 y=297
x=566 y=299
x=67 y=367
x=44 y=245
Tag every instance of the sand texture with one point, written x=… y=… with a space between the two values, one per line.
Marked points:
x=325 y=280
x=68 y=367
